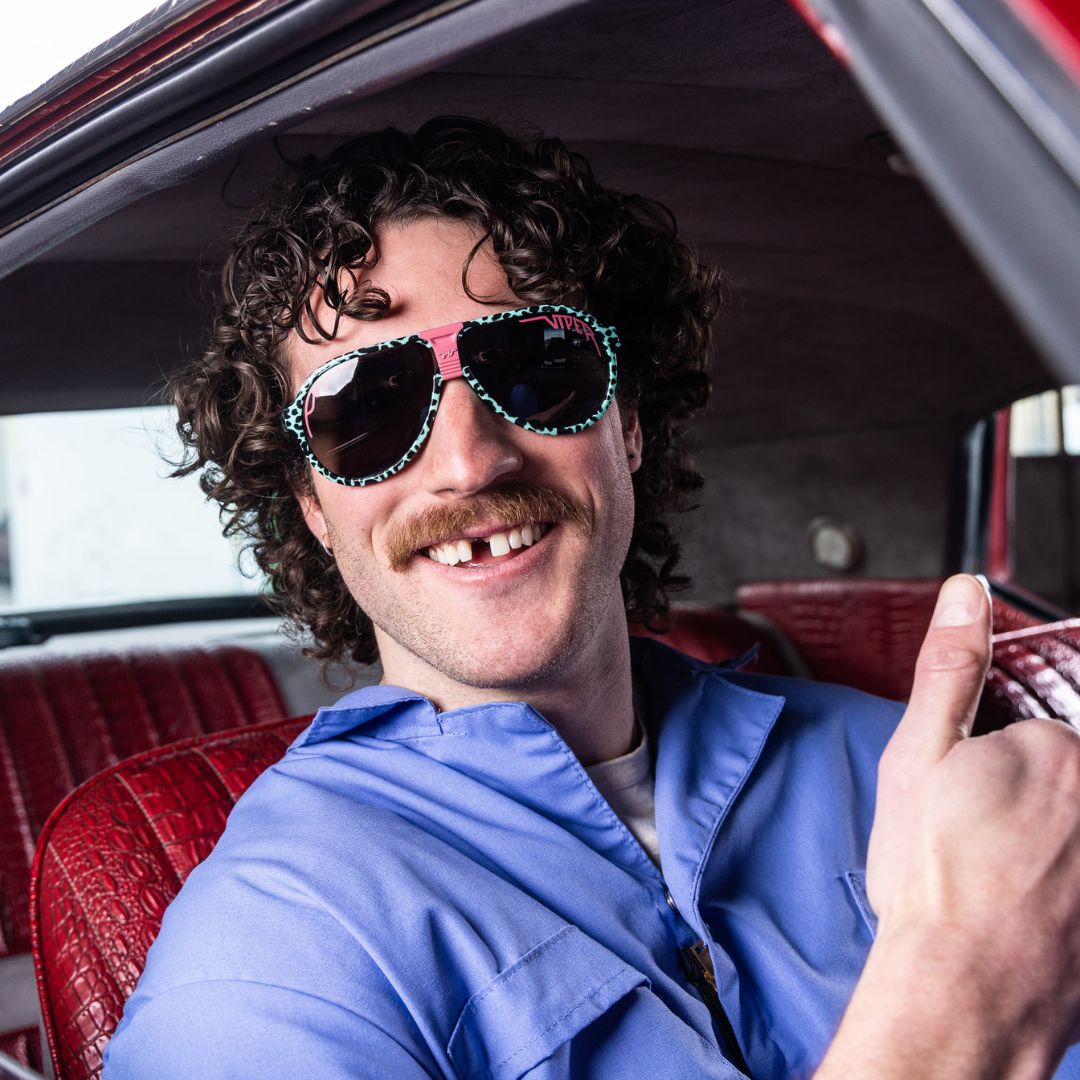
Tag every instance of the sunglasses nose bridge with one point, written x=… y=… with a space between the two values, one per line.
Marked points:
x=444 y=340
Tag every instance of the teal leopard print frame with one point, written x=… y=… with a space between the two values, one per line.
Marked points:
x=362 y=417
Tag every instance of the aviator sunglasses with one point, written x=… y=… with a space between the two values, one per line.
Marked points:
x=362 y=417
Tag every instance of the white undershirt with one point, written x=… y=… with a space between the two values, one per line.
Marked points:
x=627 y=784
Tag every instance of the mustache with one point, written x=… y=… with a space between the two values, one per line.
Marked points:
x=514 y=505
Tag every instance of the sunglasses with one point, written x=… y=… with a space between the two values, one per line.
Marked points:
x=362 y=417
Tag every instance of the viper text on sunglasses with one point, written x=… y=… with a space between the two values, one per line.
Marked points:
x=363 y=416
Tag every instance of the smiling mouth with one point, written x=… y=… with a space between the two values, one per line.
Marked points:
x=498 y=546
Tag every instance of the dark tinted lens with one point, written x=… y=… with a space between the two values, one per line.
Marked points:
x=548 y=370
x=363 y=415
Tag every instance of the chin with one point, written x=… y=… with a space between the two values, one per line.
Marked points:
x=499 y=668
x=532 y=651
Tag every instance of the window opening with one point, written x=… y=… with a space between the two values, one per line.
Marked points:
x=89 y=515
x=1034 y=539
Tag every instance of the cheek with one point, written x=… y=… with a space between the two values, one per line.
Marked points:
x=350 y=515
x=612 y=452
x=601 y=462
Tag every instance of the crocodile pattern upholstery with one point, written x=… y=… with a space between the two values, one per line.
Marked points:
x=863 y=633
x=96 y=908
x=64 y=717
x=1035 y=673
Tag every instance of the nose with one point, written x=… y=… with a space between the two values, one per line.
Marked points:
x=470 y=447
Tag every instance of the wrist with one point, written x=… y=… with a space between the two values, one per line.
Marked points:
x=932 y=1002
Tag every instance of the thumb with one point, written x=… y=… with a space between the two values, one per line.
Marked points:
x=950 y=671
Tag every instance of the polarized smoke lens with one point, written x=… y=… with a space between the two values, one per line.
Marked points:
x=548 y=371
x=364 y=415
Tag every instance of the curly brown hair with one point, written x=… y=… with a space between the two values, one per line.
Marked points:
x=557 y=234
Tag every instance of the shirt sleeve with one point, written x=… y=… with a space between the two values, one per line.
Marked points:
x=232 y=1030
x=1069 y=1069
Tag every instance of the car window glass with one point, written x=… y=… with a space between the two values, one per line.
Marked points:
x=1044 y=494
x=89 y=515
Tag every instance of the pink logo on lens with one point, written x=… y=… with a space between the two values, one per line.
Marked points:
x=560 y=321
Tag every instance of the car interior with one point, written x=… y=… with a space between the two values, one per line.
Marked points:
x=884 y=412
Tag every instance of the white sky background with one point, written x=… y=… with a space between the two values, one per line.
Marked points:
x=41 y=39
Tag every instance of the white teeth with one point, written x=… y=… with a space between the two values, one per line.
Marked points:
x=452 y=552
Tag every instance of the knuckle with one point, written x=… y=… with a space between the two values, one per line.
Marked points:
x=1050 y=750
x=1053 y=736
x=1053 y=739
x=948 y=655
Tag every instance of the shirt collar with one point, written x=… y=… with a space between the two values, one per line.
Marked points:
x=363 y=707
x=713 y=733
x=395 y=713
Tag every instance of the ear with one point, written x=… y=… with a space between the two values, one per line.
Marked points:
x=313 y=515
x=631 y=436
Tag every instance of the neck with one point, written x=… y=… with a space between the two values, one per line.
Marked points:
x=588 y=699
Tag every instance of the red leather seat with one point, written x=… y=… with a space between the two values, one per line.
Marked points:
x=96 y=907
x=64 y=717
x=864 y=632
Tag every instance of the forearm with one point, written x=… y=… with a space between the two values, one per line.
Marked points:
x=925 y=1006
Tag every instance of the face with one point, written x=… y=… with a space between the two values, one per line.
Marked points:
x=507 y=616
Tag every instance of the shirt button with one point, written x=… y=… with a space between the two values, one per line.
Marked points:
x=671 y=902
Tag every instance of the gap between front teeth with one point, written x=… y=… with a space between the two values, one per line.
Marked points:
x=453 y=552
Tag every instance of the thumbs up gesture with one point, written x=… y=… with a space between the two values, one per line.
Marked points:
x=974 y=873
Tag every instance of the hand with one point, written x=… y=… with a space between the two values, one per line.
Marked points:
x=974 y=873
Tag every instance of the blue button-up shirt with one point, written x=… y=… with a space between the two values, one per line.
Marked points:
x=412 y=893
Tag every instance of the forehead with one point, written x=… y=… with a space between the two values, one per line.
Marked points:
x=419 y=265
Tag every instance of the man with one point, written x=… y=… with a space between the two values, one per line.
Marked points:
x=444 y=397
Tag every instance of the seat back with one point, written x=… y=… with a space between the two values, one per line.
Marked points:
x=96 y=907
x=867 y=633
x=864 y=632
x=66 y=716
